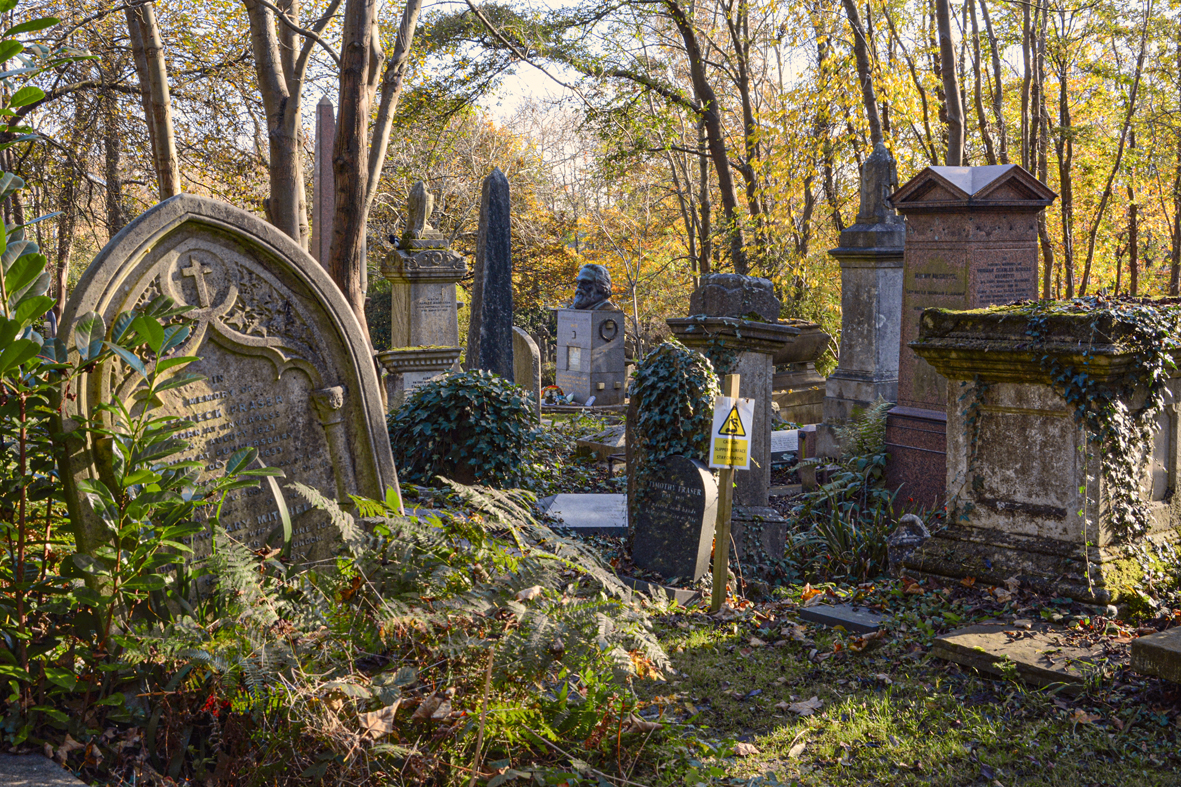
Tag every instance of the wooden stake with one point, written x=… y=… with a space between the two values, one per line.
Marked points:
x=722 y=526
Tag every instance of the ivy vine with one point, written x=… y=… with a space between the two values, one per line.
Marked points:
x=1150 y=332
x=673 y=389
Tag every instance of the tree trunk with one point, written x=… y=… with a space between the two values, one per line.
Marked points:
x=1027 y=121
x=978 y=91
x=706 y=242
x=112 y=153
x=1064 y=146
x=951 y=86
x=65 y=244
x=711 y=115
x=1175 y=256
x=864 y=76
x=350 y=157
x=148 y=53
x=997 y=85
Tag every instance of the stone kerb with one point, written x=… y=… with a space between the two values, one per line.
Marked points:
x=1025 y=489
x=287 y=367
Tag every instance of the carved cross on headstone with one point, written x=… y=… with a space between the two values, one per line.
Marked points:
x=198 y=271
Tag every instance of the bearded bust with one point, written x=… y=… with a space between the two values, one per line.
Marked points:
x=594 y=289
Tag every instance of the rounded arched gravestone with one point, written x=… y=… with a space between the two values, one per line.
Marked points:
x=287 y=368
x=675 y=519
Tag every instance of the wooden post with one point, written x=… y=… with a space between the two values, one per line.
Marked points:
x=722 y=526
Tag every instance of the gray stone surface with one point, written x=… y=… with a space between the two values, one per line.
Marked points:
x=799 y=391
x=682 y=596
x=750 y=486
x=604 y=514
x=527 y=366
x=323 y=180
x=591 y=360
x=612 y=441
x=287 y=369
x=1042 y=654
x=732 y=295
x=871 y=255
x=490 y=333
x=1159 y=655
x=910 y=535
x=34 y=770
x=676 y=513
x=852 y=618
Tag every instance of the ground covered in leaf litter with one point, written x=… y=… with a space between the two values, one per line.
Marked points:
x=803 y=703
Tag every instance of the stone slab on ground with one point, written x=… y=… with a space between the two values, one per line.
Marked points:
x=1159 y=655
x=682 y=596
x=1043 y=654
x=596 y=514
x=853 y=618
x=785 y=490
x=34 y=770
x=609 y=442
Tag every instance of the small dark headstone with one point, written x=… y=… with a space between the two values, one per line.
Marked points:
x=490 y=333
x=675 y=516
x=859 y=619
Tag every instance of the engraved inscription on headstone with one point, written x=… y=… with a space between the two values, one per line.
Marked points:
x=286 y=368
x=675 y=519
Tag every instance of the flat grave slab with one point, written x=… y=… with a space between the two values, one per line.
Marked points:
x=34 y=770
x=682 y=596
x=606 y=443
x=597 y=514
x=853 y=618
x=1159 y=655
x=1043 y=654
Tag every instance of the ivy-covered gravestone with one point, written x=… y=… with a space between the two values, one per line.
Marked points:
x=1062 y=446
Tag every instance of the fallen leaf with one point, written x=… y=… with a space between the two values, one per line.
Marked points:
x=968 y=581
x=528 y=594
x=1082 y=717
x=1012 y=583
x=67 y=746
x=1023 y=624
x=805 y=707
x=744 y=749
x=636 y=724
x=810 y=592
x=884 y=678
x=795 y=751
x=755 y=642
x=1002 y=595
x=379 y=722
x=426 y=710
x=1117 y=723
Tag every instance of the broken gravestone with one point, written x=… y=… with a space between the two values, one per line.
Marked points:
x=286 y=367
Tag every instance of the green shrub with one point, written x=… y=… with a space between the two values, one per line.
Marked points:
x=472 y=427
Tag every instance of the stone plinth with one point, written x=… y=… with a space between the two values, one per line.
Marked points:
x=1026 y=493
x=407 y=368
x=971 y=241
x=799 y=392
x=756 y=528
x=423 y=303
x=591 y=359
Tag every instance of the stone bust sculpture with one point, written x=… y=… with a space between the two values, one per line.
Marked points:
x=879 y=179
x=594 y=288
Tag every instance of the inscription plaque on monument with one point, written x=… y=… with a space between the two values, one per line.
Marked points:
x=286 y=368
x=675 y=519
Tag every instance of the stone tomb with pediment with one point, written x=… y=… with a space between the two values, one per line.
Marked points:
x=287 y=369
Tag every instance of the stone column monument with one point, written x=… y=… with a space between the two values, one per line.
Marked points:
x=871 y=296
x=591 y=361
x=323 y=180
x=971 y=241
x=424 y=328
x=720 y=325
x=490 y=332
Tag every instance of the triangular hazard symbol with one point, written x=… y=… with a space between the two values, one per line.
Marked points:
x=733 y=424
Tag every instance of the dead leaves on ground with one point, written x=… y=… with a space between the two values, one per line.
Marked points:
x=802 y=708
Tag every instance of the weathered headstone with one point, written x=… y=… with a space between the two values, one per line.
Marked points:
x=527 y=366
x=323 y=180
x=424 y=326
x=675 y=521
x=1025 y=489
x=490 y=332
x=601 y=514
x=287 y=368
x=870 y=254
x=739 y=316
x=591 y=361
x=971 y=241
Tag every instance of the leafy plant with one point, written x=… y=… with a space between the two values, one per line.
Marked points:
x=470 y=427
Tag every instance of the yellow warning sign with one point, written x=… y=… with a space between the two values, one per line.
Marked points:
x=730 y=439
x=733 y=424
